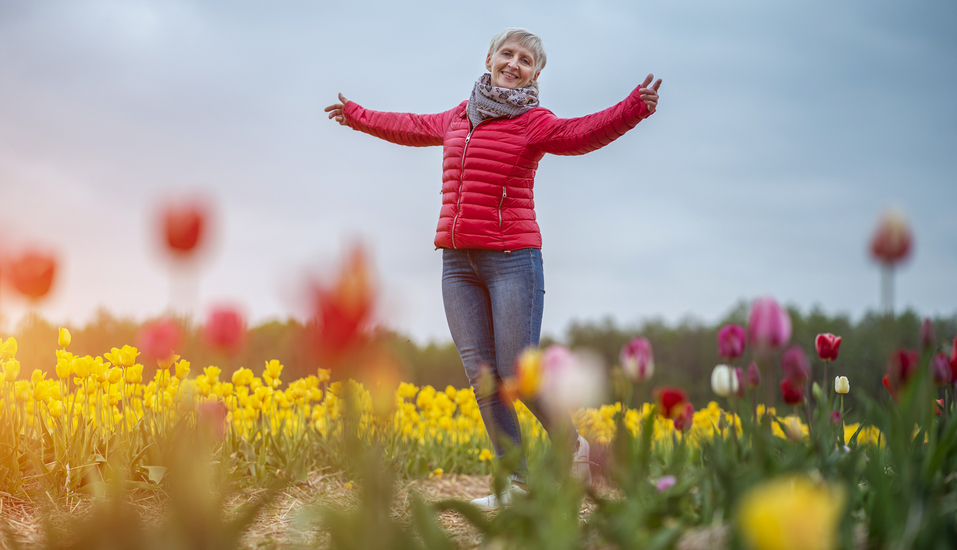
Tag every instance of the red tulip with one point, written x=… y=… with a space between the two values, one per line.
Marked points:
x=795 y=364
x=183 y=225
x=792 y=391
x=671 y=401
x=225 y=329
x=827 y=346
x=159 y=339
x=940 y=369
x=891 y=242
x=684 y=419
x=32 y=274
x=344 y=310
x=731 y=342
x=928 y=336
x=938 y=407
x=637 y=359
x=754 y=376
x=769 y=325
x=901 y=367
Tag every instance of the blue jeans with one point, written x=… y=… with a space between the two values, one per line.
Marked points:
x=494 y=302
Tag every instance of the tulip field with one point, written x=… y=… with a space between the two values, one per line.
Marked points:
x=138 y=447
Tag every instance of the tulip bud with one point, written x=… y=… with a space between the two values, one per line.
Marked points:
x=731 y=342
x=723 y=381
x=793 y=428
x=928 y=336
x=938 y=407
x=817 y=392
x=665 y=483
x=795 y=364
x=64 y=338
x=827 y=346
x=891 y=242
x=637 y=359
x=953 y=361
x=754 y=376
x=769 y=325
x=901 y=368
x=841 y=385
x=940 y=369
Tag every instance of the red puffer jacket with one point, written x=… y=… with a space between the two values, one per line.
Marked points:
x=488 y=172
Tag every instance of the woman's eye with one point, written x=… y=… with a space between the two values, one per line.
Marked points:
x=526 y=61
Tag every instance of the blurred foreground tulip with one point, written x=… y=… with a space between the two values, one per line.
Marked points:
x=769 y=325
x=891 y=242
x=795 y=364
x=344 y=309
x=637 y=359
x=940 y=370
x=791 y=513
x=731 y=342
x=901 y=367
x=685 y=418
x=184 y=225
x=953 y=361
x=32 y=274
x=572 y=379
x=159 y=339
x=225 y=329
x=792 y=391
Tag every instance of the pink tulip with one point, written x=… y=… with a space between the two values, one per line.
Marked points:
x=665 y=483
x=827 y=346
x=769 y=325
x=795 y=364
x=731 y=342
x=637 y=359
x=225 y=329
x=754 y=376
x=892 y=239
x=953 y=361
x=835 y=418
x=159 y=339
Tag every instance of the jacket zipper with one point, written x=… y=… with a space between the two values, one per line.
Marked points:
x=458 y=201
x=500 y=203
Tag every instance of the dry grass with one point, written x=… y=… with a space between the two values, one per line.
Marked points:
x=274 y=528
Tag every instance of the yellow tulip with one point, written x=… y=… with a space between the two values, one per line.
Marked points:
x=212 y=374
x=56 y=408
x=81 y=366
x=182 y=369
x=8 y=349
x=114 y=375
x=64 y=338
x=168 y=362
x=134 y=374
x=791 y=513
x=11 y=370
x=128 y=356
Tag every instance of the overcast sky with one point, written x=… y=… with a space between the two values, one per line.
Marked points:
x=783 y=131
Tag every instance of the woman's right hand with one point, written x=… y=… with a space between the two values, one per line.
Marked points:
x=336 y=110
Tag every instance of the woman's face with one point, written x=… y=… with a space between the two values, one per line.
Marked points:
x=512 y=66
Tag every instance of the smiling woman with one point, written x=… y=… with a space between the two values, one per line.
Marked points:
x=492 y=275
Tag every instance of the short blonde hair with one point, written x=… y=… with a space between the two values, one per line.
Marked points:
x=524 y=37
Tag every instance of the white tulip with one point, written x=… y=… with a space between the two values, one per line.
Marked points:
x=724 y=382
x=841 y=385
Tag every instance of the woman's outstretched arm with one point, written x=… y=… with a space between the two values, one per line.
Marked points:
x=577 y=136
x=401 y=128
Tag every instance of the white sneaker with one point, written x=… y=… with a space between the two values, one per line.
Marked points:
x=495 y=502
x=581 y=466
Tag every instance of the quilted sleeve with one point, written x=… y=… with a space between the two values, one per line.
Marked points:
x=577 y=136
x=401 y=128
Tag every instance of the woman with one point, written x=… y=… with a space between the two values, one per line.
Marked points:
x=492 y=277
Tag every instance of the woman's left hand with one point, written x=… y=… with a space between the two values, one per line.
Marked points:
x=649 y=95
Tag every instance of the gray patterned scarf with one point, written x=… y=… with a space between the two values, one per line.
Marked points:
x=489 y=101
